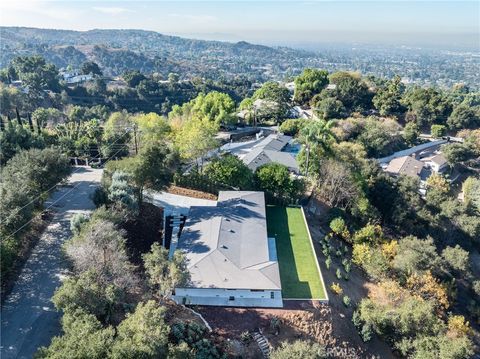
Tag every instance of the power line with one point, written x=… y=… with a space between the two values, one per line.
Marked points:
x=56 y=184
x=53 y=203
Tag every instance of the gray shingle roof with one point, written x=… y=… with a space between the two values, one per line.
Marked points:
x=227 y=246
x=405 y=165
x=259 y=157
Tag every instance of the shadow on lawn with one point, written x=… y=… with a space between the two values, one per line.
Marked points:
x=278 y=227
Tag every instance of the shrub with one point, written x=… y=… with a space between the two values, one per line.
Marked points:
x=245 y=337
x=338 y=226
x=275 y=324
x=346 y=276
x=348 y=267
x=77 y=221
x=328 y=262
x=338 y=273
x=335 y=287
x=438 y=131
x=347 y=301
x=338 y=253
x=366 y=333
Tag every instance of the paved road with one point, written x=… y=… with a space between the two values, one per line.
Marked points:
x=29 y=319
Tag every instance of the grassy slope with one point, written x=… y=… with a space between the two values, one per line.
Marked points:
x=298 y=270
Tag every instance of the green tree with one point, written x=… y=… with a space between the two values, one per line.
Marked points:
x=426 y=106
x=164 y=274
x=464 y=116
x=36 y=73
x=457 y=153
x=277 y=94
x=121 y=191
x=327 y=107
x=457 y=258
x=388 y=98
x=231 y=171
x=292 y=127
x=85 y=292
x=84 y=337
x=471 y=192
x=411 y=133
x=90 y=67
x=416 y=256
x=277 y=183
x=299 y=349
x=438 y=131
x=350 y=90
x=195 y=138
x=316 y=135
x=381 y=138
x=309 y=83
x=133 y=77
x=142 y=334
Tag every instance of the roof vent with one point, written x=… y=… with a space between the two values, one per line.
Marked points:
x=231 y=231
x=224 y=247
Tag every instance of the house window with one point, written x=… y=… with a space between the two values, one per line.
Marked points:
x=256 y=290
x=272 y=295
x=231 y=297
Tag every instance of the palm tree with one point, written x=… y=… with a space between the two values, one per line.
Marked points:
x=317 y=133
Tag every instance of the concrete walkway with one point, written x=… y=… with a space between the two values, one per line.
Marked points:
x=28 y=318
x=176 y=204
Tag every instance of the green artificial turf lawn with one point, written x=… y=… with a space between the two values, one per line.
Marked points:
x=298 y=271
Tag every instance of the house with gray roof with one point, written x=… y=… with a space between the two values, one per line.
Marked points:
x=259 y=157
x=231 y=260
x=266 y=150
x=405 y=165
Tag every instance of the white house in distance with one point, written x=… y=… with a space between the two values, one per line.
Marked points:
x=437 y=163
x=231 y=260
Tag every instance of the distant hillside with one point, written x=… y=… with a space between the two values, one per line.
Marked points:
x=119 y=50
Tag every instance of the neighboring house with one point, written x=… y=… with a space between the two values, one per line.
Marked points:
x=290 y=86
x=231 y=260
x=69 y=74
x=79 y=79
x=259 y=157
x=437 y=163
x=259 y=152
x=18 y=84
x=298 y=112
x=405 y=165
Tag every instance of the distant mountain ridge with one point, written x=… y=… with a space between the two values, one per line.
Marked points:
x=145 y=51
x=117 y=51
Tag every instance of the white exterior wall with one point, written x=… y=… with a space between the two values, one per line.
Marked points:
x=436 y=167
x=221 y=297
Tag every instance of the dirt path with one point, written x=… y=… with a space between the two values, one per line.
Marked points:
x=29 y=319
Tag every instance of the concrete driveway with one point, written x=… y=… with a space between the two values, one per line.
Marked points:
x=28 y=318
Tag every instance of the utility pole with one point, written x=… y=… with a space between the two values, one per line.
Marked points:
x=307 y=148
x=19 y=119
x=30 y=123
x=135 y=138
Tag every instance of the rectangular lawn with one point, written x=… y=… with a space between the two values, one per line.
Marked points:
x=299 y=273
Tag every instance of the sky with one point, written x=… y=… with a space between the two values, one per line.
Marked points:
x=303 y=23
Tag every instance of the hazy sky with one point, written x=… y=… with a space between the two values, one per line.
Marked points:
x=271 y=22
